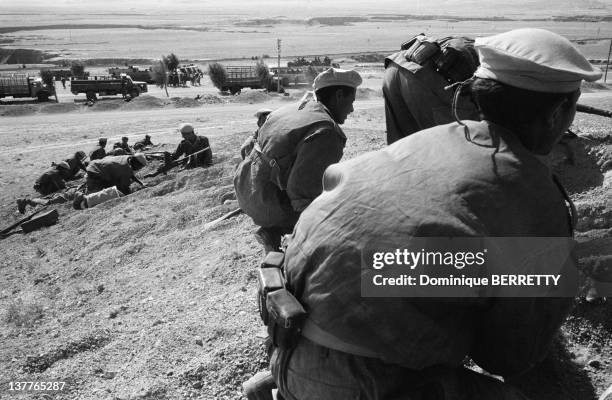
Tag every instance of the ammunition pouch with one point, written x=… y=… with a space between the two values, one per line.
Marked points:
x=454 y=58
x=280 y=311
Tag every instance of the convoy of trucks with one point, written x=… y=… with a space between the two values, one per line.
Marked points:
x=136 y=73
x=23 y=85
x=108 y=86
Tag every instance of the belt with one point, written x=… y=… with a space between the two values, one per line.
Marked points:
x=314 y=333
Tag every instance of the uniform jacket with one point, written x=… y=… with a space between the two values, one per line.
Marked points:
x=416 y=99
x=187 y=148
x=97 y=153
x=50 y=181
x=114 y=171
x=432 y=183
x=303 y=140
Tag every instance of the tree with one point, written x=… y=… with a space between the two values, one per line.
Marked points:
x=78 y=69
x=159 y=74
x=263 y=73
x=218 y=75
x=172 y=62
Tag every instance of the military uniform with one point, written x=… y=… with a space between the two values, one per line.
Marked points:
x=108 y=172
x=415 y=98
x=434 y=183
x=187 y=148
x=97 y=153
x=75 y=165
x=141 y=144
x=51 y=181
x=294 y=147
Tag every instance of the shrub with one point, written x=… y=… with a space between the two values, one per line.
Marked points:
x=78 y=69
x=263 y=73
x=218 y=75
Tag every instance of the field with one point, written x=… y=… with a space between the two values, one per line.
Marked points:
x=140 y=298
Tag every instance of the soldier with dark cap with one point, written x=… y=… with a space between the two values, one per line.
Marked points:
x=114 y=171
x=99 y=152
x=190 y=144
x=248 y=144
x=282 y=175
x=143 y=144
x=415 y=86
x=463 y=180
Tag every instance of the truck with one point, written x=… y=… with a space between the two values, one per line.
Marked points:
x=302 y=75
x=136 y=73
x=108 y=86
x=23 y=85
x=239 y=77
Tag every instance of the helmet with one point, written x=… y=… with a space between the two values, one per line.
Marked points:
x=80 y=155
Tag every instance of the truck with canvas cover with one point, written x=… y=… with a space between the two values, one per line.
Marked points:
x=108 y=86
x=136 y=73
x=23 y=85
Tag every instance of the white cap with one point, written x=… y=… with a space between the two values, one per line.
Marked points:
x=63 y=165
x=533 y=59
x=141 y=158
x=186 y=128
x=337 y=77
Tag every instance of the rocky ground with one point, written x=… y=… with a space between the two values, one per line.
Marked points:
x=139 y=299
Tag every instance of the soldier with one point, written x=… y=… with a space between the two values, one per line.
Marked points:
x=53 y=179
x=114 y=171
x=415 y=81
x=248 y=144
x=190 y=144
x=77 y=162
x=116 y=151
x=125 y=146
x=295 y=145
x=485 y=181
x=99 y=151
x=142 y=144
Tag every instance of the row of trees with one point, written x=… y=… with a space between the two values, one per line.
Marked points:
x=316 y=62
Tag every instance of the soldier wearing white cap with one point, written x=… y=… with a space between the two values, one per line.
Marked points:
x=463 y=179
x=193 y=143
x=114 y=171
x=294 y=147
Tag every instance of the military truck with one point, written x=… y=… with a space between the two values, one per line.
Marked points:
x=108 y=86
x=239 y=77
x=23 y=85
x=137 y=74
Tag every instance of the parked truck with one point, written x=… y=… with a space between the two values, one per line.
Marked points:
x=108 y=86
x=238 y=77
x=23 y=85
x=136 y=73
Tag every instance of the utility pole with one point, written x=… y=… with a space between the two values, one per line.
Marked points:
x=278 y=48
x=608 y=62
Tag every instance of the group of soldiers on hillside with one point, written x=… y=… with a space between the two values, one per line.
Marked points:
x=109 y=174
x=468 y=123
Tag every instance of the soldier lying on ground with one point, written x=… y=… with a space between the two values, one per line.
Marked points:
x=190 y=144
x=466 y=179
x=99 y=152
x=248 y=144
x=77 y=162
x=80 y=200
x=114 y=171
x=143 y=144
x=295 y=145
x=117 y=150
x=53 y=179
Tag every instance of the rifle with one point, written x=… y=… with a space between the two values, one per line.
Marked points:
x=171 y=164
x=21 y=221
x=592 y=110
